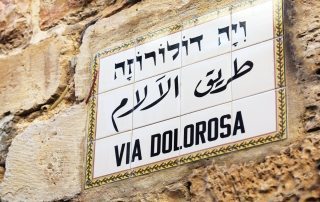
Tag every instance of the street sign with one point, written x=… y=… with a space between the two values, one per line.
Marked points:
x=205 y=87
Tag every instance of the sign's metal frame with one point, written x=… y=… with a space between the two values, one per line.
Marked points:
x=280 y=134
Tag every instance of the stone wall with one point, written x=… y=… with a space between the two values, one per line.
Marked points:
x=45 y=52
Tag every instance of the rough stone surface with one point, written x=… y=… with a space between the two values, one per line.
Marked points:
x=15 y=24
x=45 y=161
x=291 y=176
x=2 y=170
x=7 y=132
x=305 y=35
x=34 y=76
x=54 y=12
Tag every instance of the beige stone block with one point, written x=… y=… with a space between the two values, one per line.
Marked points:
x=45 y=162
x=53 y=11
x=15 y=24
x=33 y=76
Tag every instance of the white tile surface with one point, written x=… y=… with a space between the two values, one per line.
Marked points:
x=149 y=109
x=210 y=127
x=158 y=56
x=111 y=77
x=105 y=160
x=165 y=139
x=212 y=43
x=252 y=25
x=262 y=75
x=166 y=102
x=107 y=104
x=258 y=113
x=195 y=79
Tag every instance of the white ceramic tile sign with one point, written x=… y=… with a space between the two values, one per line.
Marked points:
x=197 y=92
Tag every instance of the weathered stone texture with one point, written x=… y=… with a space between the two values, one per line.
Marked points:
x=7 y=131
x=54 y=12
x=15 y=24
x=305 y=41
x=44 y=162
x=291 y=176
x=34 y=76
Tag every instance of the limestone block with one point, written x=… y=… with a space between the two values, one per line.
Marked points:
x=52 y=11
x=6 y=134
x=15 y=24
x=33 y=76
x=290 y=176
x=55 y=12
x=45 y=162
